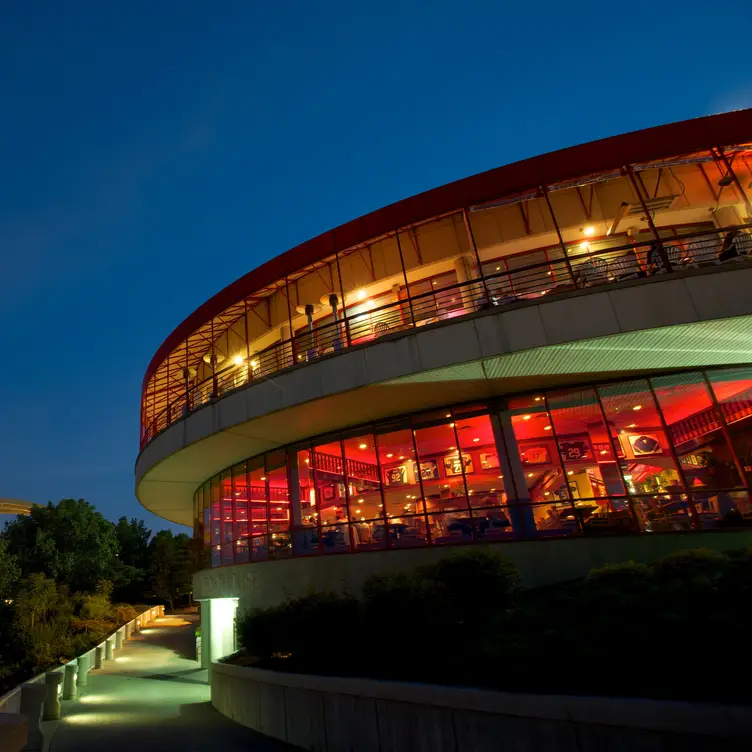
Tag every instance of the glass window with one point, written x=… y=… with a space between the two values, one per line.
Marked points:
x=733 y=391
x=240 y=515
x=214 y=519
x=305 y=530
x=645 y=456
x=443 y=478
x=226 y=517
x=587 y=454
x=552 y=509
x=259 y=508
x=280 y=539
x=331 y=497
x=402 y=490
x=364 y=493
x=695 y=428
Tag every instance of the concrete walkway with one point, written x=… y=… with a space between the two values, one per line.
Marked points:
x=152 y=696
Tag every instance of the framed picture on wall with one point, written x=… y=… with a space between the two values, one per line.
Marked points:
x=327 y=492
x=644 y=444
x=429 y=470
x=575 y=450
x=396 y=476
x=535 y=455
x=453 y=464
x=489 y=460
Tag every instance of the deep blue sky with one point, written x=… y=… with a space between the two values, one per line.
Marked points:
x=152 y=152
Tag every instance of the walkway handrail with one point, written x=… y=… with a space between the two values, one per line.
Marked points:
x=561 y=272
x=38 y=698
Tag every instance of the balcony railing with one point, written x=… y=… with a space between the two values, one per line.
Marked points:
x=586 y=268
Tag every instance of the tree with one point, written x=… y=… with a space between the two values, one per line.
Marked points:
x=173 y=562
x=70 y=542
x=10 y=572
x=131 y=570
x=133 y=542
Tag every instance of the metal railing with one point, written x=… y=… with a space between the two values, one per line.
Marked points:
x=561 y=272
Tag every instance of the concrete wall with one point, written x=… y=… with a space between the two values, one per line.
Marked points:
x=359 y=715
x=676 y=322
x=541 y=563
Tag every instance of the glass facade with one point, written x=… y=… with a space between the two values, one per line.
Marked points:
x=665 y=453
x=638 y=221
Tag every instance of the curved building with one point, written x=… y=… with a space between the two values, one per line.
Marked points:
x=556 y=351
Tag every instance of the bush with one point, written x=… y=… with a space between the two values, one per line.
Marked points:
x=302 y=628
x=95 y=607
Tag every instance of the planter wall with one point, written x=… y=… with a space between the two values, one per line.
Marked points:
x=360 y=715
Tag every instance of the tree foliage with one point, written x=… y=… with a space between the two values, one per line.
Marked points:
x=173 y=561
x=69 y=542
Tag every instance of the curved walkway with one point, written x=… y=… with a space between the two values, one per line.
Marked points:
x=153 y=696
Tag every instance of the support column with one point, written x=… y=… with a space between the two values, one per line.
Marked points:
x=33 y=696
x=84 y=666
x=53 y=680
x=510 y=466
x=69 y=681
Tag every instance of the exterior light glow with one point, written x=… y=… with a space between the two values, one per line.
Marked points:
x=360 y=501
x=448 y=415
x=632 y=425
x=584 y=246
x=570 y=472
x=604 y=451
x=451 y=425
x=254 y=364
x=500 y=477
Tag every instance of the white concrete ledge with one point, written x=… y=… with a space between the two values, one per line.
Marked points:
x=312 y=711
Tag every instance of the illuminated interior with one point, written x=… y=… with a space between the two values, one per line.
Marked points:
x=672 y=452
x=631 y=222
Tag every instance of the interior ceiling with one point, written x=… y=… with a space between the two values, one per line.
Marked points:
x=167 y=488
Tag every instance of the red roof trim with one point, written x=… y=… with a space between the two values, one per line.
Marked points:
x=595 y=156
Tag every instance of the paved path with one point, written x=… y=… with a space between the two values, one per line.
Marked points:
x=153 y=697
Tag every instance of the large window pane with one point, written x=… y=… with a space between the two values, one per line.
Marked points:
x=240 y=514
x=645 y=458
x=331 y=497
x=364 y=493
x=695 y=428
x=402 y=490
x=306 y=537
x=214 y=517
x=733 y=390
x=280 y=540
x=552 y=510
x=258 y=499
x=593 y=476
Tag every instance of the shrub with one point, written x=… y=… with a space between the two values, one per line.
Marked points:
x=301 y=628
x=95 y=607
x=698 y=565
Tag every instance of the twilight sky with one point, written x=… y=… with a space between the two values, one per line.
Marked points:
x=152 y=152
